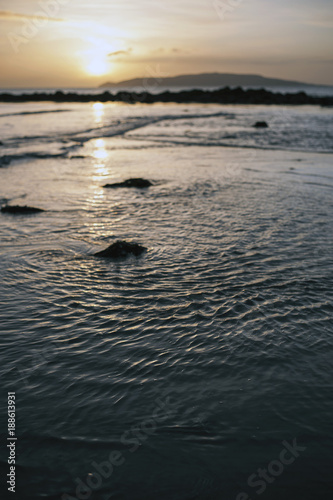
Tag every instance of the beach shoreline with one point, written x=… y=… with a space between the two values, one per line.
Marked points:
x=198 y=361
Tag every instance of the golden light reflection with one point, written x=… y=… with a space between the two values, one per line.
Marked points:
x=100 y=153
x=99 y=110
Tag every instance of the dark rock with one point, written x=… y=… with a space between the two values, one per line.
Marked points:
x=261 y=125
x=16 y=209
x=224 y=95
x=130 y=183
x=121 y=249
x=5 y=160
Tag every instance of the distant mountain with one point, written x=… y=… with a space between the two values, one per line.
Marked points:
x=205 y=80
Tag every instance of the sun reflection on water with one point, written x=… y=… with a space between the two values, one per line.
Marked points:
x=100 y=151
x=100 y=155
x=99 y=110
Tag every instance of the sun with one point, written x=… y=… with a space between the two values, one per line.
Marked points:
x=97 y=66
x=95 y=60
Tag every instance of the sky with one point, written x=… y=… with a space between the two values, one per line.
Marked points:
x=81 y=43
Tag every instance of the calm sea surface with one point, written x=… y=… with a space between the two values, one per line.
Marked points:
x=201 y=369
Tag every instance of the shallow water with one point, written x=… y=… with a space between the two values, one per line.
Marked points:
x=197 y=360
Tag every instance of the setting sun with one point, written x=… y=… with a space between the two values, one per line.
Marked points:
x=97 y=66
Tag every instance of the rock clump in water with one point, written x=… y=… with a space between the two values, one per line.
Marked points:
x=16 y=209
x=121 y=249
x=5 y=160
x=261 y=125
x=130 y=183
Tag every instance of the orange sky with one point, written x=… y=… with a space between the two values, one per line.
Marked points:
x=77 y=43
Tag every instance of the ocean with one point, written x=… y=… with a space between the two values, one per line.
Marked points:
x=201 y=369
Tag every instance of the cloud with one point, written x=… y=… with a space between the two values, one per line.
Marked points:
x=328 y=23
x=120 y=53
x=171 y=51
x=7 y=15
